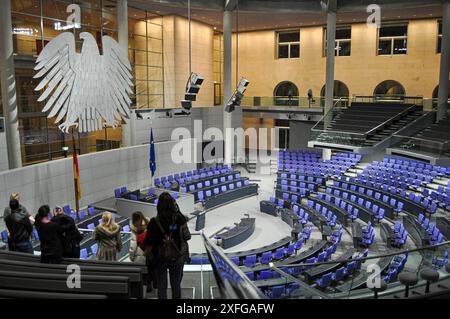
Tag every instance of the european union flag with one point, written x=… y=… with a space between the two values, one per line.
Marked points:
x=152 y=161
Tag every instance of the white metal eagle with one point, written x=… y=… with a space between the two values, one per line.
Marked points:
x=84 y=88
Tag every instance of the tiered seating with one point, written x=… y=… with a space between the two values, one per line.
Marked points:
x=401 y=235
x=344 y=271
x=327 y=213
x=435 y=236
x=367 y=209
x=185 y=179
x=368 y=235
x=400 y=175
x=309 y=163
x=395 y=267
x=321 y=206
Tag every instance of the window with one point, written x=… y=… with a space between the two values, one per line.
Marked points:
x=340 y=93
x=286 y=93
x=288 y=45
x=439 y=38
x=393 y=40
x=389 y=88
x=343 y=46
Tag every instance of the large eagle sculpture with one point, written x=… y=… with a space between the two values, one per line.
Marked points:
x=84 y=89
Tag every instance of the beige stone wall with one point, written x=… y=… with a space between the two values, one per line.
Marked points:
x=176 y=60
x=418 y=71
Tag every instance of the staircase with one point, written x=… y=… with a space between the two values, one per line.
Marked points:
x=429 y=141
x=364 y=129
x=391 y=129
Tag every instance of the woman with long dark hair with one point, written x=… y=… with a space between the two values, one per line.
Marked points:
x=165 y=245
x=50 y=235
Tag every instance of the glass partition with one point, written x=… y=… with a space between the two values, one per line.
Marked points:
x=424 y=146
x=348 y=278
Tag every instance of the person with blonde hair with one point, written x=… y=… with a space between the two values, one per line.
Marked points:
x=108 y=236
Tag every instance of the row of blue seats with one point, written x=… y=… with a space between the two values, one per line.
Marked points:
x=297 y=270
x=436 y=237
x=440 y=262
x=279 y=254
x=294 y=188
x=349 y=155
x=368 y=235
x=85 y=254
x=340 y=199
x=407 y=170
x=395 y=267
x=119 y=191
x=278 y=292
x=401 y=235
x=195 y=172
x=413 y=163
x=193 y=179
x=324 y=211
x=204 y=195
x=340 y=273
x=209 y=183
x=294 y=197
x=397 y=206
x=414 y=180
x=301 y=178
x=400 y=191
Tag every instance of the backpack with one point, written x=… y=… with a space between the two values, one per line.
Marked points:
x=168 y=251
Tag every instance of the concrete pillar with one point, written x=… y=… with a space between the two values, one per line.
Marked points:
x=227 y=37
x=445 y=66
x=331 y=39
x=8 y=84
x=122 y=26
x=326 y=154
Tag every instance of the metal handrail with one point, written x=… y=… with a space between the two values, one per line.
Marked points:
x=314 y=129
x=252 y=291
x=401 y=252
x=399 y=115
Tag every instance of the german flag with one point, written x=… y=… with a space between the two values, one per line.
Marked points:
x=76 y=175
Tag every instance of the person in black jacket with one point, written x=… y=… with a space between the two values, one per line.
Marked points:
x=20 y=228
x=71 y=234
x=50 y=235
x=165 y=242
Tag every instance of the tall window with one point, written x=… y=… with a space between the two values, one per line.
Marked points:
x=343 y=44
x=288 y=44
x=439 y=38
x=393 y=40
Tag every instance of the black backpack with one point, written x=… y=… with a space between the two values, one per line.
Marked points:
x=168 y=251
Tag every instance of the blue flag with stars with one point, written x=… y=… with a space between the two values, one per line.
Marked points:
x=152 y=161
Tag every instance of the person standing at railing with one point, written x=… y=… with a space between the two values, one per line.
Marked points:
x=109 y=239
x=50 y=236
x=19 y=228
x=138 y=227
x=71 y=234
x=164 y=245
x=23 y=210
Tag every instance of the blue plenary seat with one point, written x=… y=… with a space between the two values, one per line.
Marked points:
x=324 y=281
x=94 y=249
